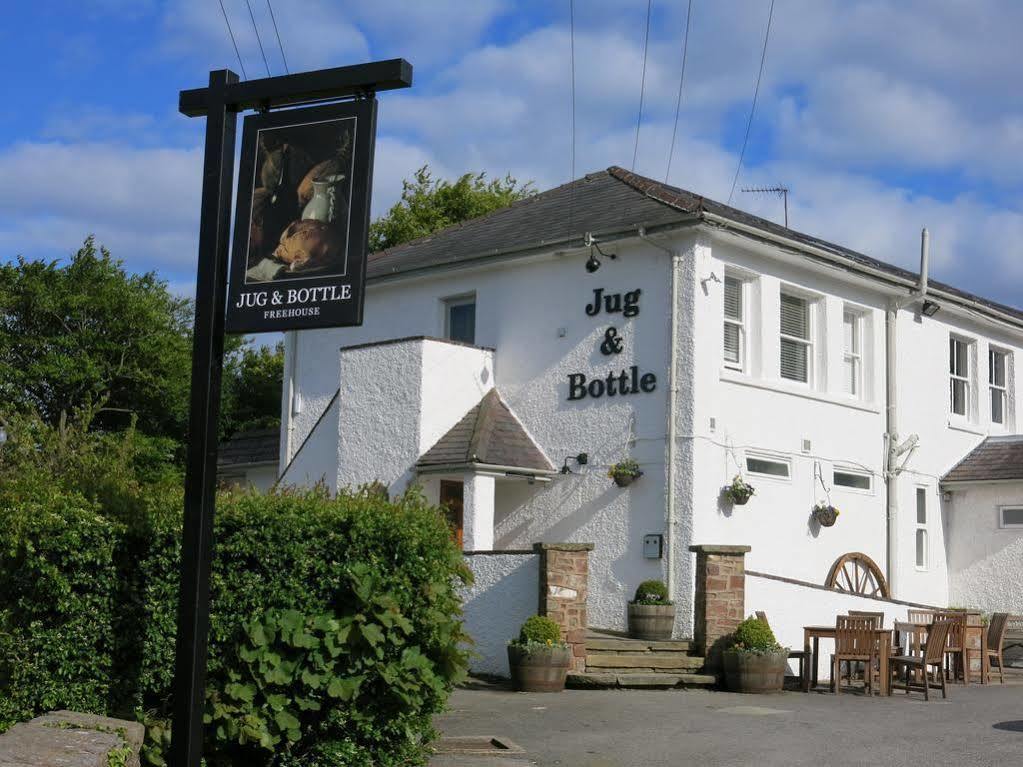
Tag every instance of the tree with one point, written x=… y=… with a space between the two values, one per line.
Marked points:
x=253 y=381
x=88 y=335
x=429 y=204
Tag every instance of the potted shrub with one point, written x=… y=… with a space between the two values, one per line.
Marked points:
x=651 y=613
x=825 y=514
x=538 y=659
x=739 y=492
x=624 y=473
x=755 y=662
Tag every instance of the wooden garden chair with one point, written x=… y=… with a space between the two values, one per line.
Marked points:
x=798 y=655
x=868 y=614
x=955 y=647
x=855 y=640
x=933 y=656
x=995 y=639
x=922 y=617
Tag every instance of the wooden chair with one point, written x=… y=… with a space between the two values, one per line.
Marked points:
x=867 y=614
x=855 y=640
x=955 y=647
x=995 y=639
x=798 y=655
x=933 y=656
x=922 y=617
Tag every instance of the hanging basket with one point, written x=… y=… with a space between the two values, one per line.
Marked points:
x=739 y=492
x=624 y=480
x=826 y=515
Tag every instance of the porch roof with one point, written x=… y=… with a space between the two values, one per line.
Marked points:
x=994 y=459
x=488 y=435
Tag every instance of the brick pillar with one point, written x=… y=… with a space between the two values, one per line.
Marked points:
x=720 y=604
x=564 y=570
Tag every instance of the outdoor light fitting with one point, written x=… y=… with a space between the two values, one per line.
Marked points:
x=582 y=459
x=593 y=263
x=929 y=309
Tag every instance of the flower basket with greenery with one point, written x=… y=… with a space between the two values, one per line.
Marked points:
x=624 y=473
x=825 y=514
x=651 y=612
x=539 y=659
x=739 y=492
x=755 y=662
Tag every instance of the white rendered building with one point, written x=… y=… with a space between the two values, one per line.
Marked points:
x=707 y=343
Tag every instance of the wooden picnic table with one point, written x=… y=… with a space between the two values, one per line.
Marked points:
x=813 y=634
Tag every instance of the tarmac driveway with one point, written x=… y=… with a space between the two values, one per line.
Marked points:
x=976 y=726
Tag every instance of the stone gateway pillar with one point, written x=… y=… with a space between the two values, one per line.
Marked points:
x=720 y=604
x=564 y=574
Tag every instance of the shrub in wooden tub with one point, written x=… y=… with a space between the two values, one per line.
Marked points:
x=538 y=659
x=651 y=613
x=755 y=663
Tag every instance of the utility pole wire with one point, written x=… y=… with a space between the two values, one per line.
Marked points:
x=571 y=194
x=681 y=80
x=258 y=39
x=233 y=42
x=278 y=33
x=642 y=82
x=756 y=93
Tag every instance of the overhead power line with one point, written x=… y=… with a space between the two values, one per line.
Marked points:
x=681 y=81
x=571 y=37
x=753 y=108
x=258 y=38
x=233 y=41
x=642 y=82
x=277 y=32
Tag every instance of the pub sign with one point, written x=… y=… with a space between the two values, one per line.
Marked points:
x=302 y=219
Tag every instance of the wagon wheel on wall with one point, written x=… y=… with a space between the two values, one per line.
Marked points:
x=858 y=574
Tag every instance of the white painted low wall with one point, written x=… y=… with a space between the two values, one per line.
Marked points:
x=504 y=594
x=790 y=606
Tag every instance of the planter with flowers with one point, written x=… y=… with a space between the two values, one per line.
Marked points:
x=739 y=492
x=755 y=662
x=651 y=613
x=624 y=473
x=825 y=514
x=539 y=660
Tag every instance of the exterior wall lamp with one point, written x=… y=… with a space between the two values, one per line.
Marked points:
x=929 y=309
x=593 y=263
x=582 y=459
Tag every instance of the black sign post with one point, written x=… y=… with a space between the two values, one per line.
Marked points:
x=219 y=103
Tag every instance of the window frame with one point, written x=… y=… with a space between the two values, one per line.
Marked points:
x=1001 y=390
x=836 y=470
x=810 y=304
x=769 y=458
x=856 y=355
x=740 y=323
x=921 y=528
x=452 y=302
x=954 y=378
x=1001 y=516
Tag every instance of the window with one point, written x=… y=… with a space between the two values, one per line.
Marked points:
x=796 y=347
x=735 y=330
x=460 y=319
x=921 y=528
x=1010 y=516
x=767 y=467
x=852 y=352
x=996 y=381
x=856 y=480
x=959 y=375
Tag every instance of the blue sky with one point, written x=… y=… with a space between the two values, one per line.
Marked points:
x=882 y=117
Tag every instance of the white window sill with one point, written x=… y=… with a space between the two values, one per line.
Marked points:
x=957 y=424
x=797 y=390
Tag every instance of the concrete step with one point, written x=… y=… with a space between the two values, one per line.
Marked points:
x=612 y=680
x=604 y=643
x=642 y=661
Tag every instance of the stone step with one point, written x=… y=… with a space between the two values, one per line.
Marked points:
x=644 y=661
x=621 y=644
x=613 y=680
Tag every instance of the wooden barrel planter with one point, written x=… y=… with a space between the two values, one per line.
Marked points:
x=539 y=669
x=756 y=673
x=651 y=622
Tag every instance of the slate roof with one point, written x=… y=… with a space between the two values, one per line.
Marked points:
x=996 y=458
x=246 y=447
x=607 y=201
x=488 y=434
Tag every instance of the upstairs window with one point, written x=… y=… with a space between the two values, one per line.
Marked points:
x=921 y=528
x=996 y=383
x=1010 y=516
x=735 y=328
x=767 y=466
x=796 y=344
x=959 y=376
x=852 y=352
x=460 y=319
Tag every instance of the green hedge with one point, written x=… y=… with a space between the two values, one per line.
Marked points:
x=335 y=632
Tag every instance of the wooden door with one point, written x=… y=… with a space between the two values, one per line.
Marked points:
x=451 y=495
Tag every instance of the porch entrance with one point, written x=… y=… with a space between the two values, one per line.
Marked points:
x=452 y=499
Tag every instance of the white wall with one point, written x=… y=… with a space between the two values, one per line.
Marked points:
x=984 y=562
x=505 y=592
x=316 y=460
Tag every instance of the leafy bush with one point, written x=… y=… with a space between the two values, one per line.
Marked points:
x=627 y=468
x=754 y=635
x=334 y=625
x=652 y=593
x=539 y=630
